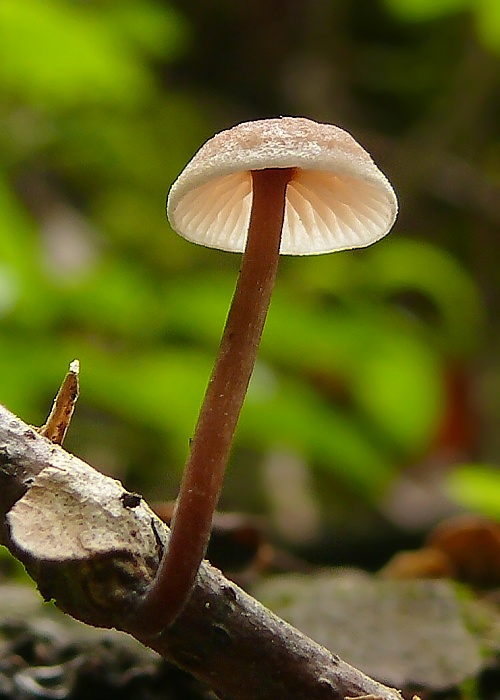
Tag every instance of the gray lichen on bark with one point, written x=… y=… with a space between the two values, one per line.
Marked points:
x=82 y=544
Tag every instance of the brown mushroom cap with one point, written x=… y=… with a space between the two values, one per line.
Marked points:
x=337 y=198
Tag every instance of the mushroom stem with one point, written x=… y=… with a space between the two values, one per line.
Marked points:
x=211 y=444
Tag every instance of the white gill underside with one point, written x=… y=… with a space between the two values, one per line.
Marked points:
x=323 y=213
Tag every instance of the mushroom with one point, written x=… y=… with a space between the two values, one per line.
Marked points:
x=288 y=185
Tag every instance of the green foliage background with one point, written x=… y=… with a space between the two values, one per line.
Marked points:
x=369 y=359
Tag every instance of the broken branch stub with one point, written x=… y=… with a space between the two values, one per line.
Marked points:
x=59 y=419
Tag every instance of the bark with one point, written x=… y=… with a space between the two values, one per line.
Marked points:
x=94 y=547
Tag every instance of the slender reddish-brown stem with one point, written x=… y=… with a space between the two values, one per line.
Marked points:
x=211 y=444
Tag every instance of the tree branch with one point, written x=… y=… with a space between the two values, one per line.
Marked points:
x=94 y=548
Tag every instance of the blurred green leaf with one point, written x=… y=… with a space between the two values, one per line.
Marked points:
x=155 y=28
x=57 y=54
x=12 y=569
x=488 y=23
x=418 y=10
x=28 y=297
x=96 y=121
x=36 y=366
x=293 y=416
x=19 y=244
x=398 y=385
x=486 y=14
x=400 y=268
x=477 y=488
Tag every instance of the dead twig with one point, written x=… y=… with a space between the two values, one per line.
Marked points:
x=59 y=418
x=94 y=548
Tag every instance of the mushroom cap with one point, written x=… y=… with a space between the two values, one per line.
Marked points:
x=337 y=198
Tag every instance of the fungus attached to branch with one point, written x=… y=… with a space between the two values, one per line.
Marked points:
x=289 y=186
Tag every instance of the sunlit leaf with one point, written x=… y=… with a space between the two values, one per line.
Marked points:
x=399 y=385
x=418 y=10
x=477 y=488
x=57 y=53
x=488 y=23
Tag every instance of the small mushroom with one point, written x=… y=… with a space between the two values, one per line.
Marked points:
x=290 y=186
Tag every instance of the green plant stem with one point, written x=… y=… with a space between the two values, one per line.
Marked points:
x=211 y=444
